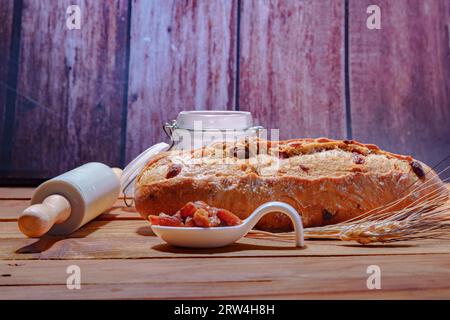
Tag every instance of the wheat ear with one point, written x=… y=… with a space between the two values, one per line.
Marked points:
x=426 y=217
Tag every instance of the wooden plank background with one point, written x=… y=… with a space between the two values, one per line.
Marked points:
x=8 y=67
x=6 y=16
x=291 y=62
x=71 y=87
x=400 y=77
x=309 y=68
x=183 y=57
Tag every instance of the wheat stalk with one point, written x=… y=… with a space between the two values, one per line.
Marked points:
x=426 y=217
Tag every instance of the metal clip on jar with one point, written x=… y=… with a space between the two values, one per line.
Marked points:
x=192 y=130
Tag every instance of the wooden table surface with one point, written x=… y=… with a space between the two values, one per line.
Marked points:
x=119 y=257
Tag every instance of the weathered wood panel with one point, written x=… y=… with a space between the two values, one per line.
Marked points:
x=16 y=193
x=234 y=291
x=294 y=277
x=134 y=239
x=182 y=58
x=291 y=66
x=6 y=31
x=400 y=77
x=251 y=268
x=70 y=89
x=20 y=193
x=10 y=210
x=72 y=84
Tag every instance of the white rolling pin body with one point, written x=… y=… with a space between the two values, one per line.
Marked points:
x=90 y=189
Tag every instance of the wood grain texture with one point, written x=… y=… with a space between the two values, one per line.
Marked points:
x=6 y=18
x=10 y=210
x=134 y=239
x=233 y=291
x=16 y=193
x=120 y=258
x=291 y=66
x=294 y=277
x=400 y=77
x=182 y=58
x=71 y=87
x=21 y=193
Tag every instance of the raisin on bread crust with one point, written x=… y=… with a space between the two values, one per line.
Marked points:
x=326 y=181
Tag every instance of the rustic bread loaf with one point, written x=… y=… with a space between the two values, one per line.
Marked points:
x=327 y=181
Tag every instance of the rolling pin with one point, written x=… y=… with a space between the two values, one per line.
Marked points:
x=64 y=204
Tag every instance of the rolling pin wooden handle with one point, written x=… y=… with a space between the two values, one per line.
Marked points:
x=38 y=219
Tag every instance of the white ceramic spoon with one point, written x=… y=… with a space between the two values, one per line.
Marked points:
x=222 y=236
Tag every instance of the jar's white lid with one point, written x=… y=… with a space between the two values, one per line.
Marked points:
x=215 y=120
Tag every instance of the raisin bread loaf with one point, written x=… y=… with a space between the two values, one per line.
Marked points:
x=327 y=181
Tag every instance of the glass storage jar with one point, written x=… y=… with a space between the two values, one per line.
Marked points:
x=192 y=130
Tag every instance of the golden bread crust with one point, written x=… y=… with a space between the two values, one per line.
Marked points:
x=326 y=181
